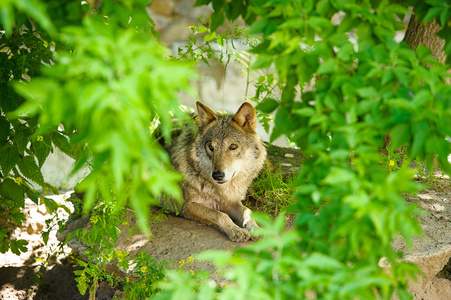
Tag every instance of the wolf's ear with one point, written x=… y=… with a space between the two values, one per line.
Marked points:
x=246 y=117
x=206 y=115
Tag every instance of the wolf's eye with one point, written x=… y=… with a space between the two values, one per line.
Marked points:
x=210 y=146
x=233 y=147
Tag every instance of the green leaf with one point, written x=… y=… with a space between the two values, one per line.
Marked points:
x=18 y=246
x=402 y=74
x=339 y=176
x=42 y=149
x=11 y=190
x=201 y=2
x=319 y=23
x=201 y=29
x=281 y=123
x=420 y=132
x=21 y=138
x=4 y=245
x=270 y=79
x=37 y=11
x=9 y=156
x=421 y=98
x=50 y=205
x=352 y=137
x=322 y=262
x=445 y=165
x=345 y=52
x=207 y=38
x=304 y=112
x=340 y=154
x=387 y=76
x=61 y=142
x=7 y=20
x=279 y=223
x=322 y=6
x=444 y=16
x=262 y=62
x=258 y=26
x=360 y=200
x=267 y=105
x=31 y=194
x=330 y=65
x=368 y=92
x=399 y=135
x=234 y=9
x=217 y=4
x=432 y=13
x=5 y=129
x=30 y=170
x=140 y=206
x=45 y=236
x=217 y=19
x=307 y=189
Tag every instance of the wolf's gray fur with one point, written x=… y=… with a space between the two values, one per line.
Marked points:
x=219 y=159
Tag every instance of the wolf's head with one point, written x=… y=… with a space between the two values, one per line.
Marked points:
x=229 y=143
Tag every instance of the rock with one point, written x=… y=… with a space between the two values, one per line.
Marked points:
x=186 y=8
x=42 y=209
x=118 y=294
x=53 y=260
x=163 y=7
x=176 y=31
x=104 y=292
x=35 y=223
x=160 y=21
x=75 y=222
x=430 y=286
x=175 y=239
x=432 y=251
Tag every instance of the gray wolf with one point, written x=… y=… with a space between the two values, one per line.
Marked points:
x=219 y=158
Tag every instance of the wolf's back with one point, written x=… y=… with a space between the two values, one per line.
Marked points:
x=179 y=151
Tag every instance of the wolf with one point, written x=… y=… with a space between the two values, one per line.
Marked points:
x=219 y=158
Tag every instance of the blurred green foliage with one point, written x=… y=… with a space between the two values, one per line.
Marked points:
x=91 y=80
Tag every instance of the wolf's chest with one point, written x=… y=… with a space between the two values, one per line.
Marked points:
x=229 y=192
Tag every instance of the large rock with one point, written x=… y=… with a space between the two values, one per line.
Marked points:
x=174 y=240
x=432 y=251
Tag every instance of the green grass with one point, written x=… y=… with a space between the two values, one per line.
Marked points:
x=270 y=193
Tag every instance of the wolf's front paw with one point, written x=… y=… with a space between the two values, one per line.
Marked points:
x=251 y=228
x=237 y=234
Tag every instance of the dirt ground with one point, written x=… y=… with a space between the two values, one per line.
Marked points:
x=28 y=277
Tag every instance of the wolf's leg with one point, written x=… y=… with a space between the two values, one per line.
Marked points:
x=206 y=215
x=240 y=214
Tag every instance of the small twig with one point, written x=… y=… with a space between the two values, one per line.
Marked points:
x=433 y=237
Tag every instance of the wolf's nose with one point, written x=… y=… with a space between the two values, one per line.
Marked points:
x=218 y=175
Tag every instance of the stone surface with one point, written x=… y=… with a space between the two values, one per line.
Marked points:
x=430 y=286
x=175 y=239
x=432 y=251
x=162 y=7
